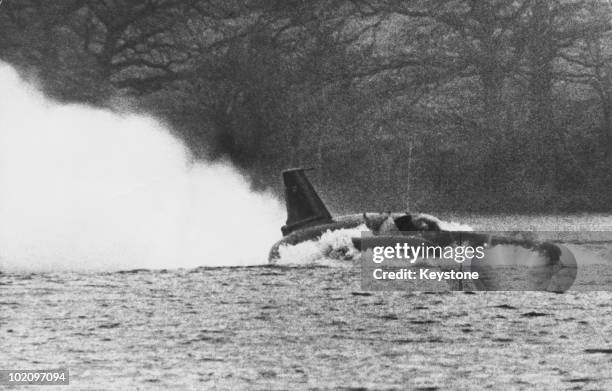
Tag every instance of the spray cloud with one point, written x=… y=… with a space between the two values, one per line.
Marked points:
x=88 y=189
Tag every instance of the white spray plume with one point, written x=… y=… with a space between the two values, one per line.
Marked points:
x=89 y=189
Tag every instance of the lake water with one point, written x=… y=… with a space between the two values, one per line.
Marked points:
x=305 y=326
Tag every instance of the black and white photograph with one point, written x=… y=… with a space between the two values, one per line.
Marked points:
x=350 y=195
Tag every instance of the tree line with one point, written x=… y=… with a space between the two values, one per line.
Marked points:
x=475 y=105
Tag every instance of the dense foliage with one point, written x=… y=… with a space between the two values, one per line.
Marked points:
x=495 y=105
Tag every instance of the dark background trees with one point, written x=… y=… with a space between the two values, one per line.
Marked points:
x=497 y=105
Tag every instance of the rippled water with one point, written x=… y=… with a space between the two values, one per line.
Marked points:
x=297 y=328
x=264 y=327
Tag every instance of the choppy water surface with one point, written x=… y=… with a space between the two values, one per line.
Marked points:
x=296 y=328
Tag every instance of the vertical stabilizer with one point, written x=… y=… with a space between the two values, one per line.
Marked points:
x=304 y=207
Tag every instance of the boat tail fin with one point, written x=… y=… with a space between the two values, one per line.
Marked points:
x=304 y=207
